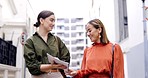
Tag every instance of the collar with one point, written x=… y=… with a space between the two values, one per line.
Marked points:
x=49 y=34
x=95 y=43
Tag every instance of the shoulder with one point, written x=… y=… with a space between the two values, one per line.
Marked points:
x=114 y=44
x=117 y=48
x=58 y=38
x=29 y=40
x=87 y=49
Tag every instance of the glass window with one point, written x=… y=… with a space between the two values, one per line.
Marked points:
x=62 y=20
x=75 y=20
x=123 y=20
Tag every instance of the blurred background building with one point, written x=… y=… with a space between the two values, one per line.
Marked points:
x=125 y=22
x=72 y=32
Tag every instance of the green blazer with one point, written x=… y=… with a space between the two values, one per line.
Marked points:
x=35 y=49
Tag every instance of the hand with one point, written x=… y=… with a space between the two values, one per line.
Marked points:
x=71 y=72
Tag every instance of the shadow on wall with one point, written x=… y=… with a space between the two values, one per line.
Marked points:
x=135 y=61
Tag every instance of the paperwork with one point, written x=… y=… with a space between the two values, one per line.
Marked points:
x=53 y=60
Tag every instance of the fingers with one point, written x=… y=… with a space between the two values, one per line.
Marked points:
x=71 y=72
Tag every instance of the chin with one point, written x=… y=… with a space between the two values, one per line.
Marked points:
x=92 y=40
x=50 y=29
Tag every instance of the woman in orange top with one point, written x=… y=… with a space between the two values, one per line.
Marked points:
x=97 y=59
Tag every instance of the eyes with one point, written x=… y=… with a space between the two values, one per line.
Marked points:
x=89 y=30
x=52 y=20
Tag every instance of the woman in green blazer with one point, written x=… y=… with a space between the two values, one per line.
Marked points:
x=42 y=42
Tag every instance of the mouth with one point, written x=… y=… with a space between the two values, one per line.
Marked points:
x=51 y=26
x=90 y=38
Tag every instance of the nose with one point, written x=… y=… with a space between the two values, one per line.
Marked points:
x=53 y=23
x=88 y=34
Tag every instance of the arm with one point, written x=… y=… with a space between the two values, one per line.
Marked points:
x=84 y=60
x=30 y=58
x=118 y=62
x=48 y=67
x=83 y=72
x=63 y=50
x=33 y=64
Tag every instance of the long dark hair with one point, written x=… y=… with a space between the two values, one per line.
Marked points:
x=43 y=14
x=98 y=24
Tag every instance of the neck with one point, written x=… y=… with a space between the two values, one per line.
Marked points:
x=42 y=32
x=98 y=41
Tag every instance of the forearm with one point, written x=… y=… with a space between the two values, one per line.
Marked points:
x=46 y=67
x=49 y=67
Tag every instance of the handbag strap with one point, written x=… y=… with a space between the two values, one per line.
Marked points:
x=112 y=66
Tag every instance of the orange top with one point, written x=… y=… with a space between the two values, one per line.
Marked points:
x=97 y=61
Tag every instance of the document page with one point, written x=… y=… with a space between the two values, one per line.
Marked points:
x=52 y=59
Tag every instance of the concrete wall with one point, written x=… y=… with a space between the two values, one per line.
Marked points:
x=135 y=61
x=133 y=46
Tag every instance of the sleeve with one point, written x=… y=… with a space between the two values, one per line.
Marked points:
x=32 y=63
x=83 y=72
x=84 y=60
x=118 y=63
x=64 y=52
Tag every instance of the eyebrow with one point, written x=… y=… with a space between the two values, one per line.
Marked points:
x=87 y=29
x=52 y=18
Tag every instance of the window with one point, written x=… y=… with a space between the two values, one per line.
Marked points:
x=66 y=27
x=123 y=20
x=74 y=64
x=80 y=48
x=73 y=49
x=66 y=42
x=62 y=20
x=75 y=20
x=73 y=42
x=73 y=27
x=74 y=56
x=60 y=27
x=79 y=27
x=73 y=34
x=66 y=35
x=60 y=34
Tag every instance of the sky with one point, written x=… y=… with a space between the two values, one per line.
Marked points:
x=79 y=8
x=62 y=7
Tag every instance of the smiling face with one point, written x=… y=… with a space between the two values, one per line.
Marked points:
x=48 y=23
x=93 y=33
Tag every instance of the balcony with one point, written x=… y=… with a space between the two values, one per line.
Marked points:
x=8 y=67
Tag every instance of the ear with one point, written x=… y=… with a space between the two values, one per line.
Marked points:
x=41 y=20
x=100 y=30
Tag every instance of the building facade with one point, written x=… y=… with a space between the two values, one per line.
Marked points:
x=72 y=33
x=126 y=24
x=15 y=19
